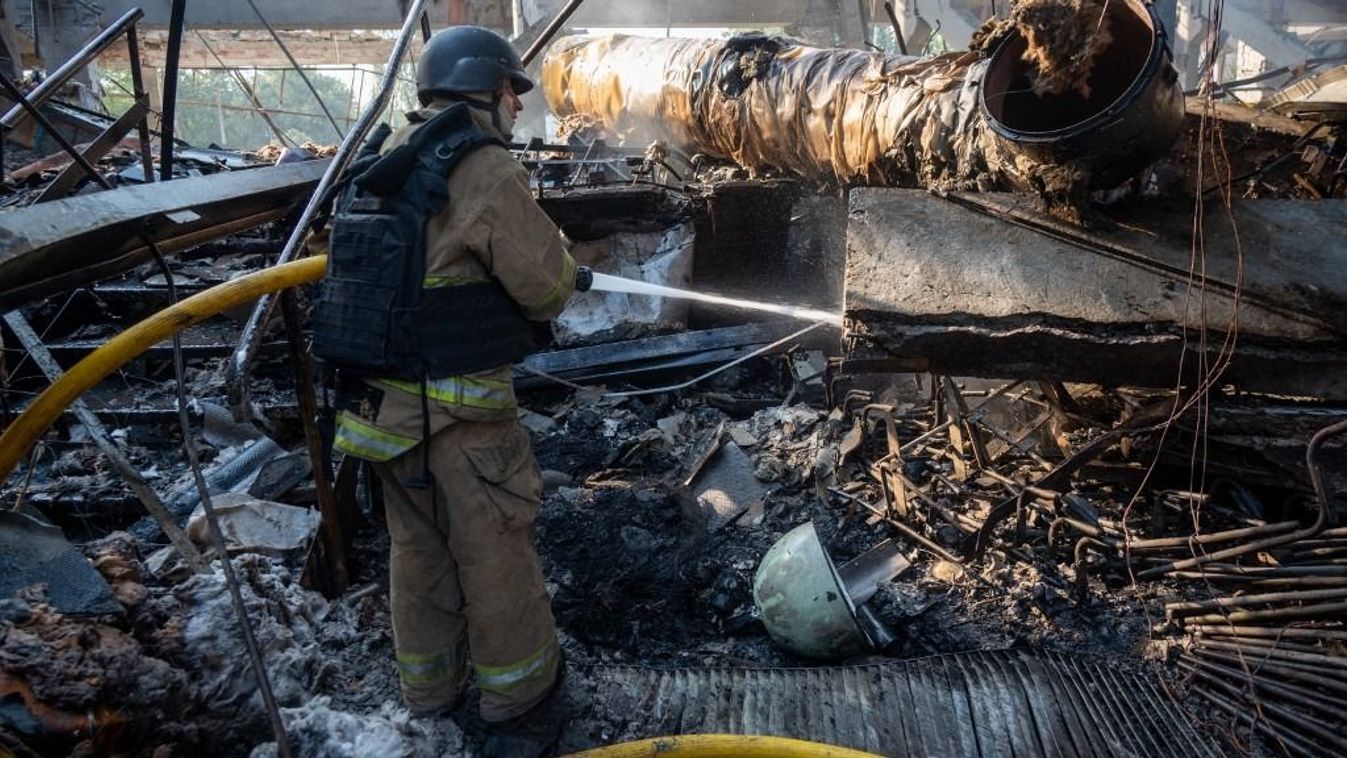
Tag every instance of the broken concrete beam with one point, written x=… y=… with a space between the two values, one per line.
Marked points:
x=982 y=285
x=69 y=243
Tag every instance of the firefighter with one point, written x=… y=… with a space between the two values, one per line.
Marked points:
x=461 y=486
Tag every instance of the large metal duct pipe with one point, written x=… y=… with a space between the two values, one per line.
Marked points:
x=1123 y=115
x=856 y=117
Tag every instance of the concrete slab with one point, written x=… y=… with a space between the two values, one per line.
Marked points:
x=983 y=285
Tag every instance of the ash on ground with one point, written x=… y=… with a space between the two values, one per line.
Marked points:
x=657 y=512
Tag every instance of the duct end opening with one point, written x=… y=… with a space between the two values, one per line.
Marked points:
x=1120 y=71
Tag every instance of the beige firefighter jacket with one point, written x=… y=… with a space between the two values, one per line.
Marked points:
x=493 y=227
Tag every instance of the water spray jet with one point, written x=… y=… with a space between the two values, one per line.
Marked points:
x=609 y=283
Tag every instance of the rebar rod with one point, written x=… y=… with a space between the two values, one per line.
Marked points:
x=298 y=69
x=242 y=83
x=1263 y=642
x=1290 y=672
x=1263 y=572
x=1321 y=521
x=1275 y=614
x=1260 y=652
x=1207 y=539
x=1307 y=698
x=1268 y=631
x=1284 y=740
x=103 y=441
x=1314 y=554
x=1285 y=715
x=900 y=526
x=1189 y=607
x=216 y=534
x=1297 y=583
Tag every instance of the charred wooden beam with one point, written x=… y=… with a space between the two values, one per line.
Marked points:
x=69 y=243
x=983 y=285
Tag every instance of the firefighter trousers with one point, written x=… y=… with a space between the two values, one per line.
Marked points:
x=464 y=577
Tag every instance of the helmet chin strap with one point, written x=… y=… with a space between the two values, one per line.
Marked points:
x=492 y=107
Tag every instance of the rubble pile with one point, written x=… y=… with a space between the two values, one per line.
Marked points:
x=173 y=669
x=1020 y=506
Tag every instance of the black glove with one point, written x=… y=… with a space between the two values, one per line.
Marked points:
x=584 y=279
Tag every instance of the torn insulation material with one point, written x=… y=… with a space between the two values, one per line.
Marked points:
x=844 y=116
x=995 y=118
x=1065 y=40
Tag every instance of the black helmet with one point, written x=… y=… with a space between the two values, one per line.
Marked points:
x=468 y=59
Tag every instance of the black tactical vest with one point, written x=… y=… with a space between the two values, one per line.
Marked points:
x=374 y=316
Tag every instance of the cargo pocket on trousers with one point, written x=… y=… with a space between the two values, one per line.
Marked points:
x=510 y=477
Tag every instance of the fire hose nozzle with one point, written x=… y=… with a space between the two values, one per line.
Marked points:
x=584 y=279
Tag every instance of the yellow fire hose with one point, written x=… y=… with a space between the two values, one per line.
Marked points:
x=112 y=355
x=722 y=746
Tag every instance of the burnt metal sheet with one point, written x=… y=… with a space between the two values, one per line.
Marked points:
x=984 y=285
x=629 y=359
x=73 y=242
x=986 y=703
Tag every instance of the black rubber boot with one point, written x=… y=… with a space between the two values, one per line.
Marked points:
x=534 y=733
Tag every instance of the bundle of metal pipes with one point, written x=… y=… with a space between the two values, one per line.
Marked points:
x=1276 y=659
x=1271 y=648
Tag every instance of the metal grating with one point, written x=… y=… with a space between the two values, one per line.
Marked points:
x=993 y=703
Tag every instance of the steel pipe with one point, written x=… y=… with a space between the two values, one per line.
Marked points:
x=1267 y=631
x=957 y=121
x=1319 y=610
x=1186 y=608
x=168 y=109
x=546 y=36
